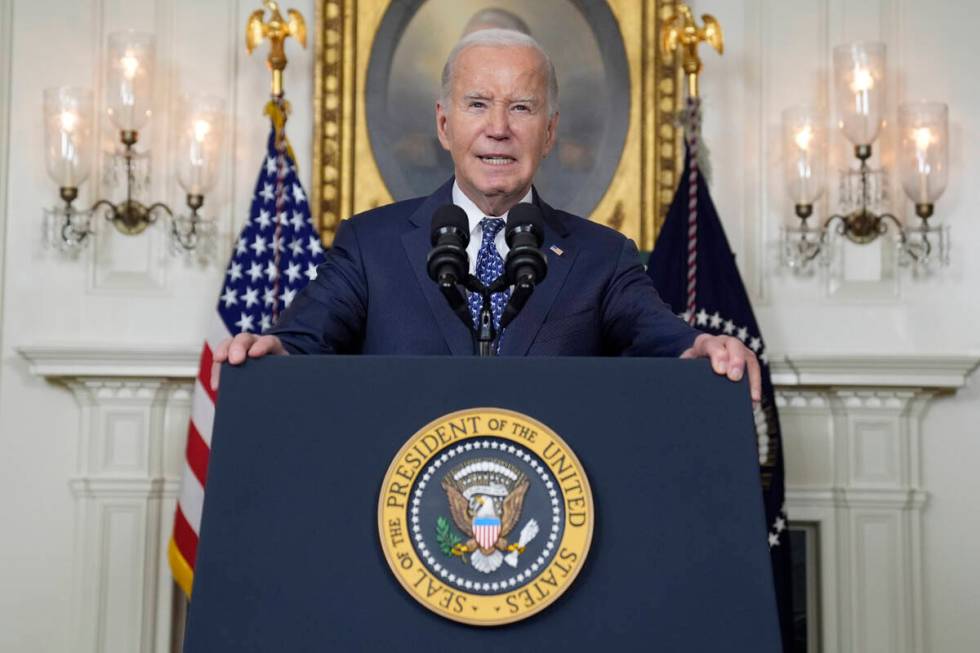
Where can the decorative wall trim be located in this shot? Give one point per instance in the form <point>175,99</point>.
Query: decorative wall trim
<point>940,371</point>
<point>156,488</point>
<point>104,361</point>
<point>844,498</point>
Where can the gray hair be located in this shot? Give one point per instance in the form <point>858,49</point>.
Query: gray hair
<point>500,38</point>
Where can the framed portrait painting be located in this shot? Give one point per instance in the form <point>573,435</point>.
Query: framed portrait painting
<point>378,69</point>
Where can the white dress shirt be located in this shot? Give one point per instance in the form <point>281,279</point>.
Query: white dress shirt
<point>475,215</point>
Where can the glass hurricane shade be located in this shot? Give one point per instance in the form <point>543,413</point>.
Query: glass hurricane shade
<point>859,80</point>
<point>924,150</point>
<point>804,154</point>
<point>68,113</point>
<point>129,79</point>
<point>198,143</point>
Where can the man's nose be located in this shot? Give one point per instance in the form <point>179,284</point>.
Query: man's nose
<point>498,122</point>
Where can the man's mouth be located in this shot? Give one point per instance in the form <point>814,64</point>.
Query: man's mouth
<point>497,159</point>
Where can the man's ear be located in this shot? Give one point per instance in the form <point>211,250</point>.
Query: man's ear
<point>442,119</point>
<point>552,133</point>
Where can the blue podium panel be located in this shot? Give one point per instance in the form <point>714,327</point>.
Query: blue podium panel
<point>290,559</point>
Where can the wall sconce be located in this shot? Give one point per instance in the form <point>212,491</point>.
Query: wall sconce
<point>859,72</point>
<point>69,128</point>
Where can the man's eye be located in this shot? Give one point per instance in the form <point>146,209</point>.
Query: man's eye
<point>477,104</point>
<point>522,107</point>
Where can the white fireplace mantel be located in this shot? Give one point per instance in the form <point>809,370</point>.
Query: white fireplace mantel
<point>934,372</point>
<point>851,433</point>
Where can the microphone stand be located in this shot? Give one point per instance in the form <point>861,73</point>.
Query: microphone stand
<point>486,334</point>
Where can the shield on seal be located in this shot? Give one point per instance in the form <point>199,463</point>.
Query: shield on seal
<point>486,530</point>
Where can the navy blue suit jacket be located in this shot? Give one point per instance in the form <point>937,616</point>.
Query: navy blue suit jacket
<point>373,295</point>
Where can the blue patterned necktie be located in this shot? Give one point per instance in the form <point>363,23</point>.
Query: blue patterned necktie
<point>489,266</point>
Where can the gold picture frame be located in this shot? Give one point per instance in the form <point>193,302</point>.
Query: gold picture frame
<point>642,186</point>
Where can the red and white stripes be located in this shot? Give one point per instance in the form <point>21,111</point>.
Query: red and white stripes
<point>187,520</point>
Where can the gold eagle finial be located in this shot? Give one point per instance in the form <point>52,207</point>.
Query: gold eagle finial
<point>681,32</point>
<point>276,30</point>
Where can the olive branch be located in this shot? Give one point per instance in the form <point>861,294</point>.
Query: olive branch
<point>446,536</point>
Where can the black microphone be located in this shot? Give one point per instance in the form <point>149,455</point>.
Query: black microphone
<point>526,265</point>
<point>447,263</point>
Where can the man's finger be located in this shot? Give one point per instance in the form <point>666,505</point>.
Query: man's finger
<point>736,360</point>
<point>220,353</point>
<point>266,345</point>
<point>240,345</point>
<point>215,373</point>
<point>719,355</point>
<point>219,356</point>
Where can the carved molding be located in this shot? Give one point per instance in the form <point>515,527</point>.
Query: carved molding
<point>124,488</point>
<point>60,361</point>
<point>940,371</point>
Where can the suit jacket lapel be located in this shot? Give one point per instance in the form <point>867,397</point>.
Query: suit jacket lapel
<point>417,245</point>
<point>517,338</point>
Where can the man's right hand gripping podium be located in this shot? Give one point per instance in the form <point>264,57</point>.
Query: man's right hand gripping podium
<point>484,267</point>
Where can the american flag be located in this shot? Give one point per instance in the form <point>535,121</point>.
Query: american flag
<point>275,256</point>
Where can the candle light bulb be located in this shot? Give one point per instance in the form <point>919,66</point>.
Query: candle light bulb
<point>69,120</point>
<point>198,142</point>
<point>859,76</point>
<point>923,138</point>
<point>201,130</point>
<point>804,152</point>
<point>67,134</point>
<point>130,64</point>
<point>923,151</point>
<point>863,80</point>
<point>803,137</point>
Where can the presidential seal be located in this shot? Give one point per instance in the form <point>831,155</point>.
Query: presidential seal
<point>485,516</point>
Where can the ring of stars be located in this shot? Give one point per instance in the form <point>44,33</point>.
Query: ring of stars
<point>546,479</point>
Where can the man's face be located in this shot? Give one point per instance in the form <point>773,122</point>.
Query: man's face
<point>497,124</point>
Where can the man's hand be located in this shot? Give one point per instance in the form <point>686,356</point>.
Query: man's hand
<point>244,345</point>
<point>729,357</point>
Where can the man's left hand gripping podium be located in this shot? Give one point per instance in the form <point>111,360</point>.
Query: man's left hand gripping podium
<point>375,503</point>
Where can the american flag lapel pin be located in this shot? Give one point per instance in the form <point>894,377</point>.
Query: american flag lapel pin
<point>557,250</point>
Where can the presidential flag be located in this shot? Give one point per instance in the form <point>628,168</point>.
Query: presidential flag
<point>695,272</point>
<point>276,254</point>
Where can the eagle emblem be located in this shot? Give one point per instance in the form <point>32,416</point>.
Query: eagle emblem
<point>485,499</point>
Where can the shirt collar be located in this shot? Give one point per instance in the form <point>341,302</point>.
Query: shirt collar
<point>473,212</point>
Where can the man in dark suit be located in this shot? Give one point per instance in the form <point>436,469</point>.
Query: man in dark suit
<point>497,117</point>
